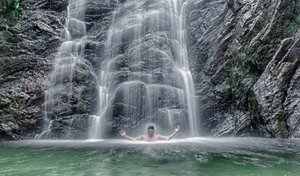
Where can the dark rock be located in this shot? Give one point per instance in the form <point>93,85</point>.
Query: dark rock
<point>57,5</point>
<point>240,38</point>
<point>271,88</point>
<point>233,124</point>
<point>244,58</point>
<point>24,63</point>
<point>69,127</point>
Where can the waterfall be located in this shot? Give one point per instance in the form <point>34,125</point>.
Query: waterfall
<point>59,85</point>
<point>145,76</point>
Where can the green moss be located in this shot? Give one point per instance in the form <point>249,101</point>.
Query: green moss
<point>10,10</point>
<point>9,126</point>
<point>11,104</point>
<point>238,69</point>
<point>280,116</point>
<point>4,35</point>
<point>88,93</point>
<point>249,61</point>
<point>295,26</point>
<point>236,76</point>
<point>14,7</point>
<point>258,26</point>
<point>283,131</point>
<point>4,102</point>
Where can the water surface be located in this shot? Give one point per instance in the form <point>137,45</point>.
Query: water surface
<point>193,156</point>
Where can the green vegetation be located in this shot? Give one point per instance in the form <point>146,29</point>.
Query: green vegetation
<point>282,127</point>
<point>258,26</point>
<point>11,104</point>
<point>239,68</point>
<point>295,26</point>
<point>236,76</point>
<point>257,51</point>
<point>15,7</point>
<point>10,11</point>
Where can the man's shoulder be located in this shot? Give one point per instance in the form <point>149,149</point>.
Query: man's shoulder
<point>142,137</point>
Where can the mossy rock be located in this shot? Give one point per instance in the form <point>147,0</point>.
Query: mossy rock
<point>9,126</point>
<point>282,127</point>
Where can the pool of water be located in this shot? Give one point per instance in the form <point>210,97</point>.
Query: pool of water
<point>192,157</point>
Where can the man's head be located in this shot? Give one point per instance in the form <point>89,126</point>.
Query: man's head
<point>150,130</point>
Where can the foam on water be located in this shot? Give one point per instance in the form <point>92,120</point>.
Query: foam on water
<point>190,156</point>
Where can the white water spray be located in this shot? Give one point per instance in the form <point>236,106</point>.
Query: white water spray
<point>146,75</point>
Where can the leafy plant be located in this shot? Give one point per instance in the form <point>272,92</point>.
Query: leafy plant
<point>11,6</point>
<point>10,10</point>
<point>17,26</point>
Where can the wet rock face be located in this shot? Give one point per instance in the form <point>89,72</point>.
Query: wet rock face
<point>71,94</point>
<point>27,59</point>
<point>25,62</point>
<point>245,62</point>
<point>207,21</point>
<point>272,87</point>
<point>142,68</point>
<point>291,105</point>
<point>98,18</point>
<point>243,54</point>
<point>69,127</point>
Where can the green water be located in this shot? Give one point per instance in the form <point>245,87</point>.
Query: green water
<point>205,158</point>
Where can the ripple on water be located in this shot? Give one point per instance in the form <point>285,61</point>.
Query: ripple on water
<point>196,156</point>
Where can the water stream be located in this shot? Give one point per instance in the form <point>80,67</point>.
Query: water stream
<point>69,56</point>
<point>145,76</point>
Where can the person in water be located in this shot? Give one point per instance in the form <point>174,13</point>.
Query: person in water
<point>150,136</point>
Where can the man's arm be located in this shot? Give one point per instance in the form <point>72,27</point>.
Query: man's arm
<point>124,135</point>
<point>177,129</point>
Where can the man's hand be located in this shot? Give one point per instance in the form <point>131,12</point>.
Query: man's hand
<point>177,129</point>
<point>122,133</point>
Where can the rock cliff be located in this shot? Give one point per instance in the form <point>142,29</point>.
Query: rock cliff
<point>243,54</point>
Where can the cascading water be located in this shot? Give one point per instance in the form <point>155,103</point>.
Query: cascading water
<point>145,77</point>
<point>59,86</point>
